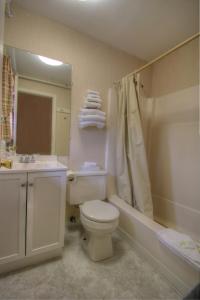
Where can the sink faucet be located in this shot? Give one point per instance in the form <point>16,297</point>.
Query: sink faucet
<point>32,159</point>
<point>27,158</point>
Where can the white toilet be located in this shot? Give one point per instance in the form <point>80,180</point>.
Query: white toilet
<point>99,219</point>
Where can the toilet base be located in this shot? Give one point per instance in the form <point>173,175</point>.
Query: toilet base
<point>98,247</point>
<point>98,243</point>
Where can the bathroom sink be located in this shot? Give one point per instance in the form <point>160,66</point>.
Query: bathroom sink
<point>37,165</point>
<point>40,164</point>
<point>34,166</point>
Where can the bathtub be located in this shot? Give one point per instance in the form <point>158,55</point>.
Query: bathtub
<point>141,231</point>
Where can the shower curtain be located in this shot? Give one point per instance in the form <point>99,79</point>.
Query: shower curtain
<point>133,183</point>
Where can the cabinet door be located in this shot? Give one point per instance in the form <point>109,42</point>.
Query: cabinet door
<point>45,211</point>
<point>12,216</point>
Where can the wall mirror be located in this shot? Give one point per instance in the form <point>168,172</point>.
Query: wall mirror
<point>36,103</point>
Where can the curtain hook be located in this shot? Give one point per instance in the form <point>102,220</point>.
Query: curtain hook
<point>134,80</point>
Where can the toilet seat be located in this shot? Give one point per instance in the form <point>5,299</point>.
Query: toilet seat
<point>99,211</point>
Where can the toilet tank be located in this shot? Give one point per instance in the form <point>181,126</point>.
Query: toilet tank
<point>86,186</point>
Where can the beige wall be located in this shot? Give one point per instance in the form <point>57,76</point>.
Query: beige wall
<point>95,66</point>
<point>175,140</point>
<point>2,7</point>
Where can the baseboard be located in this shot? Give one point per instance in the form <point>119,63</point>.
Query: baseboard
<point>176,282</point>
<point>30,261</point>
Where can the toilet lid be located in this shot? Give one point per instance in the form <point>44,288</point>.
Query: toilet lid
<point>99,211</point>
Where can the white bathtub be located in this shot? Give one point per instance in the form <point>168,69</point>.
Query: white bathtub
<point>141,232</point>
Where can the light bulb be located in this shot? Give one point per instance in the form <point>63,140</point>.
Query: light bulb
<point>50,61</point>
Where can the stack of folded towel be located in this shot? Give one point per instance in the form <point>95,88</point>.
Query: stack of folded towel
<point>90,166</point>
<point>91,114</point>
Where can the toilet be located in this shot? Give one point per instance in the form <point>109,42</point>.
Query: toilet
<point>99,218</point>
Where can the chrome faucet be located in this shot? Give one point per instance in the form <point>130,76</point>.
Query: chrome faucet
<point>27,158</point>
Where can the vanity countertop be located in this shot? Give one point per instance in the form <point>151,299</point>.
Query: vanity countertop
<point>38,166</point>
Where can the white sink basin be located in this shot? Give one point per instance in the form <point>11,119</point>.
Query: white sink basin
<point>35,166</point>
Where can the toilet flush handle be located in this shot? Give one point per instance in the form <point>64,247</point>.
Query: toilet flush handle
<point>71,177</point>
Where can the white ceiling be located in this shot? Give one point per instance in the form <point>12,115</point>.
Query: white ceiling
<point>28,64</point>
<point>145,28</point>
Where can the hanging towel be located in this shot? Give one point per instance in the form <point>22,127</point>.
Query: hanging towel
<point>95,118</point>
<point>84,124</point>
<point>92,105</point>
<point>90,111</point>
<point>181,244</point>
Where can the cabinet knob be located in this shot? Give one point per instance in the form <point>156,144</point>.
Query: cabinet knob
<point>23,185</point>
<point>30,184</point>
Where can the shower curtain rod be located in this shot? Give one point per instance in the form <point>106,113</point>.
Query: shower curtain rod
<point>195,36</point>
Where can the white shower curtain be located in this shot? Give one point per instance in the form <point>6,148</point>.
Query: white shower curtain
<point>133,184</point>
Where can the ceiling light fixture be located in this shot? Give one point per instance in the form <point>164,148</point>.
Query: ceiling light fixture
<point>50,61</point>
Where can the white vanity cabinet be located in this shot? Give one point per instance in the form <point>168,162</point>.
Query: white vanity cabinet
<point>45,212</point>
<point>32,216</point>
<point>12,216</point>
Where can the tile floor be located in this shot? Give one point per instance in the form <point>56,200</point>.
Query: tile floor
<point>125,276</point>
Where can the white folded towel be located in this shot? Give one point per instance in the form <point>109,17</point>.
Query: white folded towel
<point>90,166</point>
<point>96,100</point>
<point>181,244</point>
<point>93,96</point>
<point>92,104</point>
<point>95,118</point>
<point>93,92</point>
<point>90,111</point>
<point>91,123</point>
<point>93,168</point>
